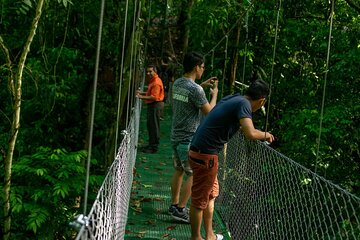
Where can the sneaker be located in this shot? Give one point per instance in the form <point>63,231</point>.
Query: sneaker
<point>219,237</point>
<point>181,216</point>
<point>172,209</point>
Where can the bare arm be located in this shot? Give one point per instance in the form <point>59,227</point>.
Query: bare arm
<point>251,133</point>
<point>144,97</point>
<point>206,108</point>
<point>154,91</point>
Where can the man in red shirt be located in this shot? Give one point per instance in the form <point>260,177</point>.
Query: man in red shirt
<point>153,97</point>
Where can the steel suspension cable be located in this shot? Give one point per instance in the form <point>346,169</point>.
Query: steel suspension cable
<point>147,30</point>
<point>137,54</point>
<point>228,32</point>
<point>131,63</point>
<point>272,67</point>
<point>224,37</point>
<point>121,78</point>
<point>93,104</point>
<point>246,45</point>
<point>225,65</point>
<point>325,82</point>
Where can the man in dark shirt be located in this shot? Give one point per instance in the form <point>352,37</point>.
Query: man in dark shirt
<point>231,114</point>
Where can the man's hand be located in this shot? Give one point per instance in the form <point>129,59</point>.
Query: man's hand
<point>214,91</point>
<point>139,94</point>
<point>269,137</point>
<point>210,82</point>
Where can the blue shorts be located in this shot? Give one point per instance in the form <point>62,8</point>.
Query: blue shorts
<point>180,158</point>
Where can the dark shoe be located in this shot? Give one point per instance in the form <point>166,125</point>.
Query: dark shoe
<point>182,216</point>
<point>172,209</point>
<point>149,150</point>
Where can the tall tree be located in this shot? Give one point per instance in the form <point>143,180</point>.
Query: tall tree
<point>183,23</point>
<point>15,78</point>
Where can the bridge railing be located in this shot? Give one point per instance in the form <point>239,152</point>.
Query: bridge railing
<point>108,215</point>
<point>265,195</point>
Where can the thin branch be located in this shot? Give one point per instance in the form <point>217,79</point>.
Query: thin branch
<point>8,63</point>
<point>353,5</point>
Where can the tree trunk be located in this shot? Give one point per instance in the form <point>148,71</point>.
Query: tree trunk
<point>15,85</point>
<point>164,28</point>
<point>183,23</point>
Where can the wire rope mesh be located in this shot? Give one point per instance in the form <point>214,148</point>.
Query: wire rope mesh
<point>265,195</point>
<point>108,215</point>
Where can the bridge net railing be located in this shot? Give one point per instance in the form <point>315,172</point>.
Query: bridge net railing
<point>265,195</point>
<point>108,215</point>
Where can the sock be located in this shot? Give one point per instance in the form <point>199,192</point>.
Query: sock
<point>180,209</point>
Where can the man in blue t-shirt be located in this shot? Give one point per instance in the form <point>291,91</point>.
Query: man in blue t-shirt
<point>231,114</point>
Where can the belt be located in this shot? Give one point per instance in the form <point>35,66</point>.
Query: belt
<point>153,103</point>
<point>202,162</point>
<point>195,149</point>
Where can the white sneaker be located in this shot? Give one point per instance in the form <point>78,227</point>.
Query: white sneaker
<point>219,237</point>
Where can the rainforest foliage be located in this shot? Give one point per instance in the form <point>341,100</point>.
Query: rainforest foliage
<point>315,87</point>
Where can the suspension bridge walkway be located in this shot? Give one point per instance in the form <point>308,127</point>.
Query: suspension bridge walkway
<point>263,195</point>
<point>148,216</point>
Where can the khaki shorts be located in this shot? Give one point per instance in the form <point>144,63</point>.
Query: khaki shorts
<point>180,158</point>
<point>205,183</point>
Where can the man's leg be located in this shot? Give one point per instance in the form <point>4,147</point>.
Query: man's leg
<point>204,167</point>
<point>162,105</point>
<point>149,122</point>
<point>208,218</point>
<point>185,192</point>
<point>153,126</point>
<point>176,185</point>
<point>182,152</point>
<point>157,116</point>
<point>196,215</point>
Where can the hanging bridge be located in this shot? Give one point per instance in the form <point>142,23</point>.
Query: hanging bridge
<point>263,195</point>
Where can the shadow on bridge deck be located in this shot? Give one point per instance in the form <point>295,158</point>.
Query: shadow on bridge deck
<point>150,195</point>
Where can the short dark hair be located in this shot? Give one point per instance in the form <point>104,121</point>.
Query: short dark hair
<point>153,67</point>
<point>191,60</point>
<point>258,89</point>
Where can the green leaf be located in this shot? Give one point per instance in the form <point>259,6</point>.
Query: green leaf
<point>28,2</point>
<point>40,172</point>
<point>37,217</point>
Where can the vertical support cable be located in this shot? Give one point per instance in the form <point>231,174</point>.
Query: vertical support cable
<point>93,104</point>
<point>147,30</point>
<point>121,78</point>
<point>131,64</point>
<point>246,45</point>
<point>325,81</point>
<point>137,54</point>
<point>225,65</point>
<point>272,67</point>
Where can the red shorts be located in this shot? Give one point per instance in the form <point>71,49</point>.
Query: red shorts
<point>205,183</point>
